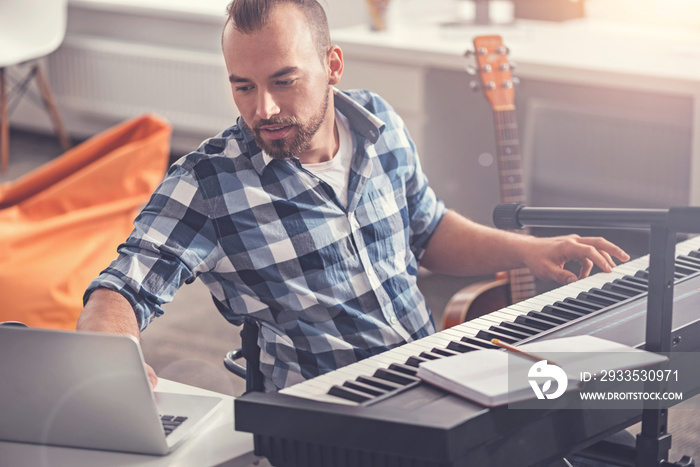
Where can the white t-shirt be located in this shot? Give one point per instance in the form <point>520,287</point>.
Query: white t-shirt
<point>336,172</point>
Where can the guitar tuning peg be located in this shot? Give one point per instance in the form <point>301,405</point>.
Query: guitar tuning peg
<point>516,80</point>
<point>512,65</point>
<point>469,53</point>
<point>470,70</point>
<point>475,86</point>
<point>503,50</point>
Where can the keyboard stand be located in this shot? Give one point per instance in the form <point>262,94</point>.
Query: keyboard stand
<point>654,442</point>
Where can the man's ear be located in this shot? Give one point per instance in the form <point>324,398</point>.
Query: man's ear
<point>335,65</point>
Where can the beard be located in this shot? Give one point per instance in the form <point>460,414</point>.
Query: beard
<point>287,148</point>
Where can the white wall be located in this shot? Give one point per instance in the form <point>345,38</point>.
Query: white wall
<point>123,58</point>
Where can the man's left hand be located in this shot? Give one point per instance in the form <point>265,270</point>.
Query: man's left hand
<point>546,257</point>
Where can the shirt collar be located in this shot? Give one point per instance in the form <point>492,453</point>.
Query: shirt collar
<point>360,119</point>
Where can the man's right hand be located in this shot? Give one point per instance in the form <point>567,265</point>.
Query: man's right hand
<point>152,377</point>
<point>108,311</point>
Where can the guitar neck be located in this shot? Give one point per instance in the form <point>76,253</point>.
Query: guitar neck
<point>512,187</point>
<point>497,83</point>
<point>510,171</point>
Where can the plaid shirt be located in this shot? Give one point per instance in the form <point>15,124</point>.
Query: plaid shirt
<point>327,285</point>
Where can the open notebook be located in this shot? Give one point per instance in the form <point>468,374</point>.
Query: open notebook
<point>496,377</point>
<point>89,390</point>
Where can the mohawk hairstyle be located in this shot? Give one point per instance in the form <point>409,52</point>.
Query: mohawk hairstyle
<point>249,16</point>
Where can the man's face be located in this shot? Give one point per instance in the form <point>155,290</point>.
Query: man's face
<point>279,84</point>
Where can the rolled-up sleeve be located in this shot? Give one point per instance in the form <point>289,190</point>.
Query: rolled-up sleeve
<point>172,242</point>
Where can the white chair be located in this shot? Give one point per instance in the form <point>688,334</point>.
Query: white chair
<point>29,30</point>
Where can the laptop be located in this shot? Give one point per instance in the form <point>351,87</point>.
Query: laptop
<point>89,390</point>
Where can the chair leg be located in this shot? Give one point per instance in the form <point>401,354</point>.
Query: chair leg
<point>52,108</point>
<point>4,124</point>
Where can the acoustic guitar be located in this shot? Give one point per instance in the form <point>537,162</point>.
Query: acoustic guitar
<point>508,287</point>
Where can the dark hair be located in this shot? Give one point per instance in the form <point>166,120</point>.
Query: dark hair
<point>249,16</point>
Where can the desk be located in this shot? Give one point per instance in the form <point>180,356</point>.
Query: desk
<point>216,444</point>
<point>616,105</point>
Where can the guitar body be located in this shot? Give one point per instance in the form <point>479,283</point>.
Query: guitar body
<point>511,286</point>
<point>477,300</point>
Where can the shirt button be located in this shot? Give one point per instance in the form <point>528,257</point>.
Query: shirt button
<point>394,320</point>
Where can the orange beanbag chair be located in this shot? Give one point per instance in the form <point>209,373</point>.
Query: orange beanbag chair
<point>60,224</point>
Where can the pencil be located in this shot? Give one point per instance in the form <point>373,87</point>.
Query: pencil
<point>513,348</point>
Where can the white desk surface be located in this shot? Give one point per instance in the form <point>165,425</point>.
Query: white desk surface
<point>216,444</point>
<point>590,52</point>
<point>584,50</point>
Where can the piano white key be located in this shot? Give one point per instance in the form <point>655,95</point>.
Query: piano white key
<point>490,318</point>
<point>631,270</point>
<point>485,323</point>
<point>469,328</point>
<point>506,314</point>
<point>427,343</point>
<point>457,334</point>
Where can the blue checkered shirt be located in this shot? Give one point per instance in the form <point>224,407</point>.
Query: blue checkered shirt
<point>327,285</point>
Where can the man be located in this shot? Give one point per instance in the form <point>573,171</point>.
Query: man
<point>310,216</point>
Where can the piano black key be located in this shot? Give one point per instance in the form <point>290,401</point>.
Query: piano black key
<point>689,262</point>
<point>430,355</point>
<point>519,335</point>
<point>595,298</point>
<point>379,383</point>
<point>572,307</point>
<point>556,320</point>
<point>520,327</point>
<point>641,289</point>
<point>349,394</point>
<point>562,312</point>
<point>479,343</point>
<point>681,268</point>
<point>534,322</point>
<point>694,254</point>
<point>490,335</point>
<point>415,360</point>
<point>587,304</point>
<point>462,347</point>
<point>445,352</point>
<point>405,369</point>
<point>622,289</point>
<point>617,297</point>
<point>366,388</point>
<point>395,376</point>
<point>636,280</point>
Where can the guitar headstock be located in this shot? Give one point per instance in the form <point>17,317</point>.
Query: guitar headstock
<point>494,71</point>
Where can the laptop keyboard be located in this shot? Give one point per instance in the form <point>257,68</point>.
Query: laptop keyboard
<point>170,422</point>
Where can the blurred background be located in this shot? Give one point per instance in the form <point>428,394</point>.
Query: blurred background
<point>607,108</point>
